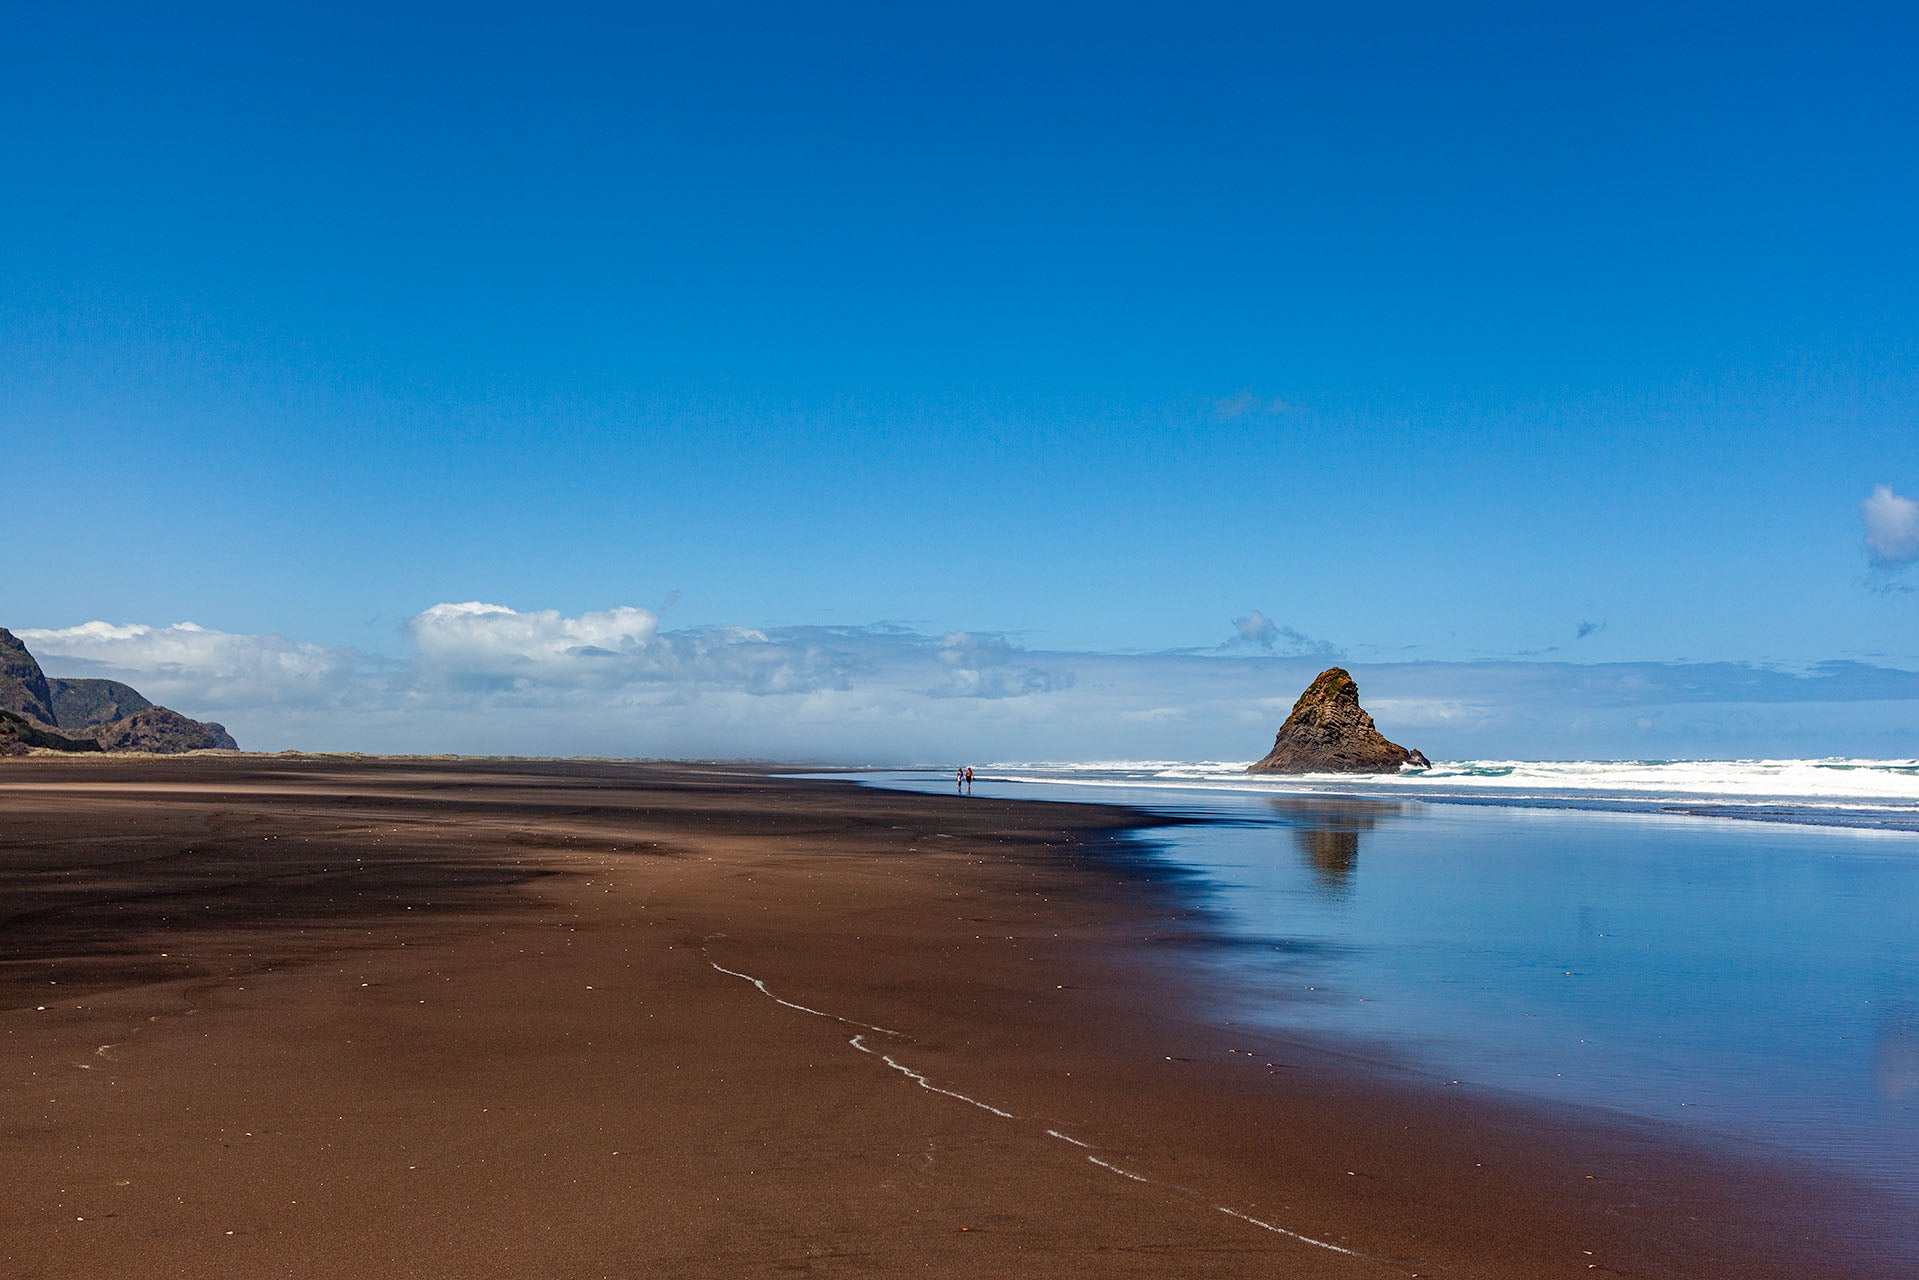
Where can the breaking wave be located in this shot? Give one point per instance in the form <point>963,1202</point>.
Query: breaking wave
<point>1835,791</point>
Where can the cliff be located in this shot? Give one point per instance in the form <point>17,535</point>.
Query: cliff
<point>88,715</point>
<point>23,686</point>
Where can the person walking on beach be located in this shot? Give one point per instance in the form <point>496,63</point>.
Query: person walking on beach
<point>969,779</point>
<point>959,781</point>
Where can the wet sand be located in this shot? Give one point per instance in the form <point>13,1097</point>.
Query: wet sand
<point>343,1017</point>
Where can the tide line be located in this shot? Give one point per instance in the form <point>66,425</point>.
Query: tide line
<point>1291,1235</point>
<point>817,1013</point>
<point>926,1084</point>
<point>1124,1173</point>
<point>859,1042</point>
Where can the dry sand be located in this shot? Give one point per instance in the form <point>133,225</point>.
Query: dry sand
<point>369,1018</point>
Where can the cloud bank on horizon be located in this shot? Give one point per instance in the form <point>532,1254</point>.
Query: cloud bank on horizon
<point>489,679</point>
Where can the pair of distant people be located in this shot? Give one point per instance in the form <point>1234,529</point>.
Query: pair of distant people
<point>963,781</point>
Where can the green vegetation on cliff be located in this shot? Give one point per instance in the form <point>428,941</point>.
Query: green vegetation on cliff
<point>18,735</point>
<point>89,715</point>
<point>80,703</point>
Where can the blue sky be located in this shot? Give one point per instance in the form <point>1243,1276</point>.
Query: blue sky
<point>1435,335</point>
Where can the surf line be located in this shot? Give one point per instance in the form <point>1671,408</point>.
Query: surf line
<point>926,1084</point>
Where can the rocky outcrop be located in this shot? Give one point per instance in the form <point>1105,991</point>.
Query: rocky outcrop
<point>159,732</point>
<point>19,735</point>
<point>88,715</point>
<point>80,703</point>
<point>1329,732</point>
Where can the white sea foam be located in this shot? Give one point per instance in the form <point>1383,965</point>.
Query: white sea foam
<point>1124,1173</point>
<point>1889,788</point>
<point>817,1013</point>
<point>1276,1230</point>
<point>859,1042</point>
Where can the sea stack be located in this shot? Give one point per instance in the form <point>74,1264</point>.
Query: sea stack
<point>1329,732</point>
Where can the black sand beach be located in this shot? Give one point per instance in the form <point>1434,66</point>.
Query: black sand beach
<point>363,1017</point>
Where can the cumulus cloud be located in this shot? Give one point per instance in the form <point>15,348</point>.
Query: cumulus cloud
<point>754,662</point>
<point>1892,527</point>
<point>212,669</point>
<point>489,646</point>
<point>990,667</point>
<point>1257,631</point>
<point>491,679</point>
<point>492,640</point>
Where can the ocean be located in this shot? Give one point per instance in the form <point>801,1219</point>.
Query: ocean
<point>1729,947</point>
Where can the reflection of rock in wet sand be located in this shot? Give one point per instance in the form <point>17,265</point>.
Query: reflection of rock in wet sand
<point>1327,832</point>
<point>1332,855</point>
<point>1898,1056</point>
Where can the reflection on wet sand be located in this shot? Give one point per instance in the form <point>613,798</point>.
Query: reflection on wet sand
<point>1327,832</point>
<point>1897,1058</point>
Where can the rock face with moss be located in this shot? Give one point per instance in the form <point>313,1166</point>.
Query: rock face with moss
<point>19,735</point>
<point>160,732</point>
<point>1329,732</point>
<point>80,703</point>
<point>88,715</point>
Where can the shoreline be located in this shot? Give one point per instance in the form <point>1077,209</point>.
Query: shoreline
<point>1850,813</point>
<point>518,936</point>
<point>1856,813</point>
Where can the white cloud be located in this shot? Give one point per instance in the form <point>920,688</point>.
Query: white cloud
<point>493,640</point>
<point>491,679</point>
<point>990,667</point>
<point>212,669</point>
<point>1428,713</point>
<point>490,646</point>
<point>1892,526</point>
<point>1257,631</point>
